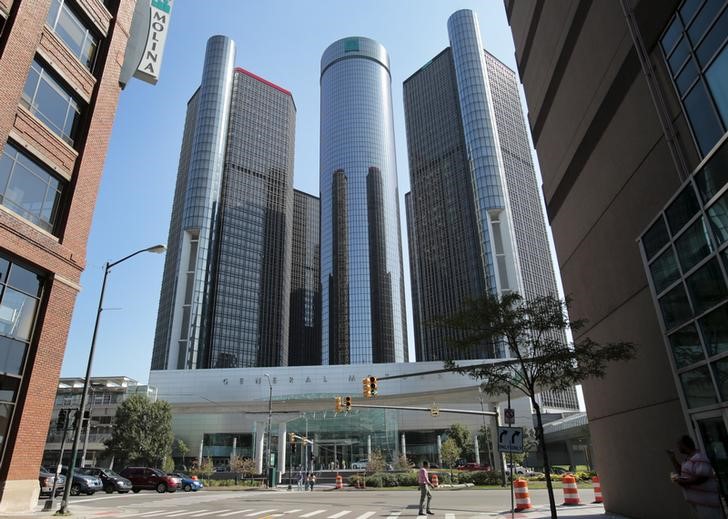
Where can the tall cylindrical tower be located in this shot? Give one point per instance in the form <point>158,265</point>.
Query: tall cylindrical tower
<point>362,287</point>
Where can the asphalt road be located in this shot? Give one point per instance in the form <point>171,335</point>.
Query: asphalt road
<point>320,504</point>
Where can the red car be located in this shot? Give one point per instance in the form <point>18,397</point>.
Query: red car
<point>145,478</point>
<point>474,467</point>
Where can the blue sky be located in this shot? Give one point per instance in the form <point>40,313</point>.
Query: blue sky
<point>281,41</point>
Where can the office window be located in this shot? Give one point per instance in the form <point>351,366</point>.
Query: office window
<point>707,286</point>
<point>714,175</point>
<point>675,307</point>
<point>664,270</point>
<point>718,215</point>
<point>51,102</point>
<point>73,32</point>
<point>694,46</point>
<point>698,387</point>
<point>686,348</point>
<point>693,245</point>
<point>28,189</point>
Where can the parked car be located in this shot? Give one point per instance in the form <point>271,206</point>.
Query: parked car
<point>46,478</point>
<point>145,478</point>
<point>473,466</point>
<point>360,465</point>
<point>83,483</point>
<point>189,484</point>
<point>520,471</point>
<point>559,471</point>
<point>109,479</point>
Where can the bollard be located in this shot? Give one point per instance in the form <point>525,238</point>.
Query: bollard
<point>434,480</point>
<point>339,481</point>
<point>523,500</point>
<point>571,492</point>
<point>597,490</point>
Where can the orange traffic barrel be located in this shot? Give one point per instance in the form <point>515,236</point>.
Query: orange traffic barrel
<point>597,490</point>
<point>571,492</point>
<point>435,480</point>
<point>523,500</point>
<point>339,481</point>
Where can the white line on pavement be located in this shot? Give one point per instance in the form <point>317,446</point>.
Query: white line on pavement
<point>449,516</point>
<point>186,512</point>
<point>150,513</point>
<point>340,514</point>
<point>292,511</point>
<point>261,512</point>
<point>236,512</point>
<point>315,512</point>
<point>394,515</point>
<point>365,515</point>
<point>210,513</point>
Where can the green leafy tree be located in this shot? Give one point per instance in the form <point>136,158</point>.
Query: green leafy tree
<point>376,462</point>
<point>450,453</point>
<point>142,432</point>
<point>203,469</point>
<point>402,463</point>
<point>242,466</point>
<point>168,464</point>
<point>181,449</point>
<point>532,330</point>
<point>485,442</point>
<point>463,439</point>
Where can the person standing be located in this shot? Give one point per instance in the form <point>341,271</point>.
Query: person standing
<point>696,477</point>
<point>423,479</point>
<point>300,481</point>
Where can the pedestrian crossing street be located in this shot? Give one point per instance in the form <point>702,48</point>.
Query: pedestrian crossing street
<point>295,513</point>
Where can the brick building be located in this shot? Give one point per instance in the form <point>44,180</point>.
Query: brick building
<point>60,62</point>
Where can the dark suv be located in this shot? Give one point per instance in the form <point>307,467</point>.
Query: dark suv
<point>145,478</point>
<point>110,479</point>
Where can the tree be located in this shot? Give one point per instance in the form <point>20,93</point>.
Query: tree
<point>532,330</point>
<point>242,466</point>
<point>181,448</point>
<point>402,463</point>
<point>168,465</point>
<point>203,469</point>
<point>376,462</point>
<point>485,441</point>
<point>142,432</point>
<point>463,439</point>
<point>450,453</point>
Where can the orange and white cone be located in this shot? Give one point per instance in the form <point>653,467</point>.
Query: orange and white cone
<point>339,481</point>
<point>597,490</point>
<point>523,500</point>
<point>571,492</point>
<point>435,480</point>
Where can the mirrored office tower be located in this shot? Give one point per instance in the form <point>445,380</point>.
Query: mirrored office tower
<point>363,311</point>
<point>225,291</point>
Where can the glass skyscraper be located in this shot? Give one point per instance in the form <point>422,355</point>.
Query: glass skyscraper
<point>226,286</point>
<point>363,310</point>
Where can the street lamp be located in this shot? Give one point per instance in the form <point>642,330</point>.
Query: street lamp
<point>270,412</point>
<point>157,249</point>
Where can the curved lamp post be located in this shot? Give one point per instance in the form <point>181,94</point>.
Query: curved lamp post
<point>157,249</point>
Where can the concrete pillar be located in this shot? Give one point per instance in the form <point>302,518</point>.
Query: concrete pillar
<point>404,446</point>
<point>281,450</point>
<point>477,448</point>
<point>439,450</point>
<point>499,462</point>
<point>259,446</point>
<point>570,454</point>
<point>369,446</point>
<point>202,444</point>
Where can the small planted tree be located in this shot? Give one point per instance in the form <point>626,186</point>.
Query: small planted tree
<point>462,437</point>
<point>203,469</point>
<point>403,463</point>
<point>181,449</point>
<point>533,333</point>
<point>376,462</point>
<point>242,466</point>
<point>450,452</point>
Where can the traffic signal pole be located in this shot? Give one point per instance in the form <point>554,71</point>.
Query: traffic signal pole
<point>49,502</point>
<point>433,410</point>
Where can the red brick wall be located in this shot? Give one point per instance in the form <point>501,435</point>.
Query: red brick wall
<point>62,256</point>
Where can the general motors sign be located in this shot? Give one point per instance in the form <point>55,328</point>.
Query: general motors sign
<point>149,29</point>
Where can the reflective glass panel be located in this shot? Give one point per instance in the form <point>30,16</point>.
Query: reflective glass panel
<point>675,307</point>
<point>720,371</point>
<point>715,330</point>
<point>73,32</point>
<point>24,280</point>
<point>8,388</point>
<point>693,245</point>
<point>17,313</point>
<point>12,355</point>
<point>713,40</point>
<point>6,412</point>
<point>671,35</point>
<point>705,16</point>
<point>655,238</point>
<point>707,286</point>
<point>682,209</point>
<point>718,215</point>
<point>703,118</point>
<point>686,348</point>
<point>688,9</point>
<point>717,78</point>
<point>679,55</point>
<point>4,265</point>
<point>698,387</point>
<point>714,174</point>
<point>664,270</point>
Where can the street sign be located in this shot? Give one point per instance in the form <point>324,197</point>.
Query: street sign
<point>510,439</point>
<point>434,410</point>
<point>510,416</point>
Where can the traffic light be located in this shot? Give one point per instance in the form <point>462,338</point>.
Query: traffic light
<point>62,419</point>
<point>338,407</point>
<point>365,387</point>
<point>373,386</point>
<point>347,403</point>
<point>77,416</point>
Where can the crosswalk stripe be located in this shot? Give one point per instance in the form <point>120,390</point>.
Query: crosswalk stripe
<point>315,512</point>
<point>148,514</point>
<point>340,514</point>
<point>449,516</point>
<point>365,515</point>
<point>261,512</point>
<point>292,511</point>
<point>210,513</point>
<point>236,512</point>
<point>186,512</point>
<point>394,515</point>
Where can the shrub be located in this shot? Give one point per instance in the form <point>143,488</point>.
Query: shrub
<point>375,481</point>
<point>355,480</point>
<point>486,478</point>
<point>407,479</point>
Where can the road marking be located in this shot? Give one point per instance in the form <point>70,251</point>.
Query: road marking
<point>148,514</point>
<point>365,515</point>
<point>203,513</point>
<point>292,511</point>
<point>315,512</point>
<point>236,512</point>
<point>186,512</point>
<point>261,512</point>
<point>340,514</point>
<point>395,515</point>
<point>449,516</point>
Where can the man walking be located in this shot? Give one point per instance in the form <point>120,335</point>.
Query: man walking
<point>696,477</point>
<point>423,479</point>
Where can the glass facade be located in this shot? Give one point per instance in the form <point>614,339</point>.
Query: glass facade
<point>304,344</point>
<point>685,253</point>
<point>28,189</point>
<point>694,47</point>
<point>20,294</point>
<point>362,286</point>
<point>225,293</point>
